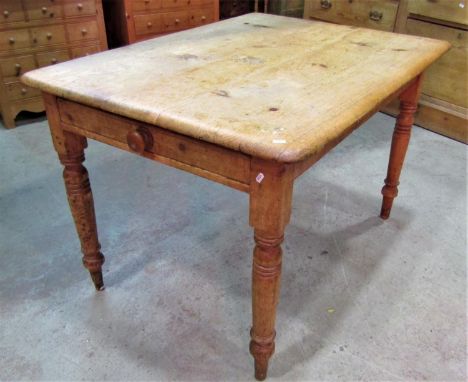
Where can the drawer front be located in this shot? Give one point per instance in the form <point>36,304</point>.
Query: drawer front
<point>375,14</point>
<point>148,24</point>
<point>145,5</point>
<point>87,30</point>
<point>174,21</point>
<point>79,8</point>
<point>49,35</point>
<point>52,58</point>
<point>175,3</point>
<point>204,2</point>
<point>10,11</point>
<point>201,16</point>
<point>446,79</point>
<point>42,9</point>
<point>165,143</point>
<point>16,66</point>
<point>16,90</point>
<point>449,10</point>
<point>14,39</point>
<point>82,51</point>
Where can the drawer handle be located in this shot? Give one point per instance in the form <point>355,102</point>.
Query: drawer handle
<point>53,61</point>
<point>79,6</point>
<point>203,18</point>
<point>177,21</point>
<point>375,15</point>
<point>84,31</point>
<point>18,69</point>
<point>44,10</point>
<point>149,24</point>
<point>140,140</point>
<point>325,4</point>
<point>147,1</point>
<point>24,91</point>
<point>6,13</point>
<point>11,40</point>
<point>49,35</point>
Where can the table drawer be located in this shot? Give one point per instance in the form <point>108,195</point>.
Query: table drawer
<point>52,58</point>
<point>174,21</point>
<point>108,127</point>
<point>201,16</point>
<point>10,11</point>
<point>16,90</point>
<point>16,66</point>
<point>79,8</point>
<point>449,10</point>
<point>49,35</point>
<point>42,9</point>
<point>174,3</point>
<point>87,30</point>
<point>446,79</point>
<point>197,3</point>
<point>14,39</point>
<point>148,24</point>
<point>375,14</point>
<point>145,5</point>
<point>82,51</point>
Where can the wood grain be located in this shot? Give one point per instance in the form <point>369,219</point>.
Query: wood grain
<point>269,86</point>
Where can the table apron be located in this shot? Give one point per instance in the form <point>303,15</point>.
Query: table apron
<point>201,158</point>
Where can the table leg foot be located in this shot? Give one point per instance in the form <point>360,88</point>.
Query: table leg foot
<point>400,140</point>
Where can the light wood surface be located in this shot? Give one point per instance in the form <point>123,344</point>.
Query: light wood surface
<point>269,86</point>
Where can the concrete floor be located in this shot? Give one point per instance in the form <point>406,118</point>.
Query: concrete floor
<point>361,299</point>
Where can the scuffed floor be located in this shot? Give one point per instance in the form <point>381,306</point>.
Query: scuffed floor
<point>361,299</point>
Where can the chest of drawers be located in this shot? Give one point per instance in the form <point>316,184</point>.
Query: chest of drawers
<point>129,21</point>
<point>443,106</point>
<point>37,33</point>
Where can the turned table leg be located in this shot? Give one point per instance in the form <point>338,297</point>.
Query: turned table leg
<point>400,140</point>
<point>270,208</point>
<point>70,148</point>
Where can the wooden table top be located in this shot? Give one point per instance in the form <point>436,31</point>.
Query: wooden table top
<point>269,86</point>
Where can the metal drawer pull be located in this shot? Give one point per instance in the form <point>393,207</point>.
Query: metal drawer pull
<point>325,4</point>
<point>11,40</point>
<point>6,13</point>
<point>375,15</point>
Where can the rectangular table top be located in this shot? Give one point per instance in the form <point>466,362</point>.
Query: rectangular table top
<point>269,86</point>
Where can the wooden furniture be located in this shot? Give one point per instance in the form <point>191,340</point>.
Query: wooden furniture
<point>443,106</point>
<point>129,21</point>
<point>250,102</point>
<point>234,8</point>
<point>37,33</point>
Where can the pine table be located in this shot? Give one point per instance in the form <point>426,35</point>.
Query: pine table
<point>251,103</point>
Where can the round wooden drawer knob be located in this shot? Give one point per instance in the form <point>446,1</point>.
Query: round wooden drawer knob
<point>79,6</point>
<point>49,35</point>
<point>6,13</point>
<point>24,91</point>
<point>11,40</point>
<point>150,24</point>
<point>139,140</point>
<point>44,9</point>
<point>177,21</point>
<point>203,18</point>
<point>53,61</point>
<point>84,31</point>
